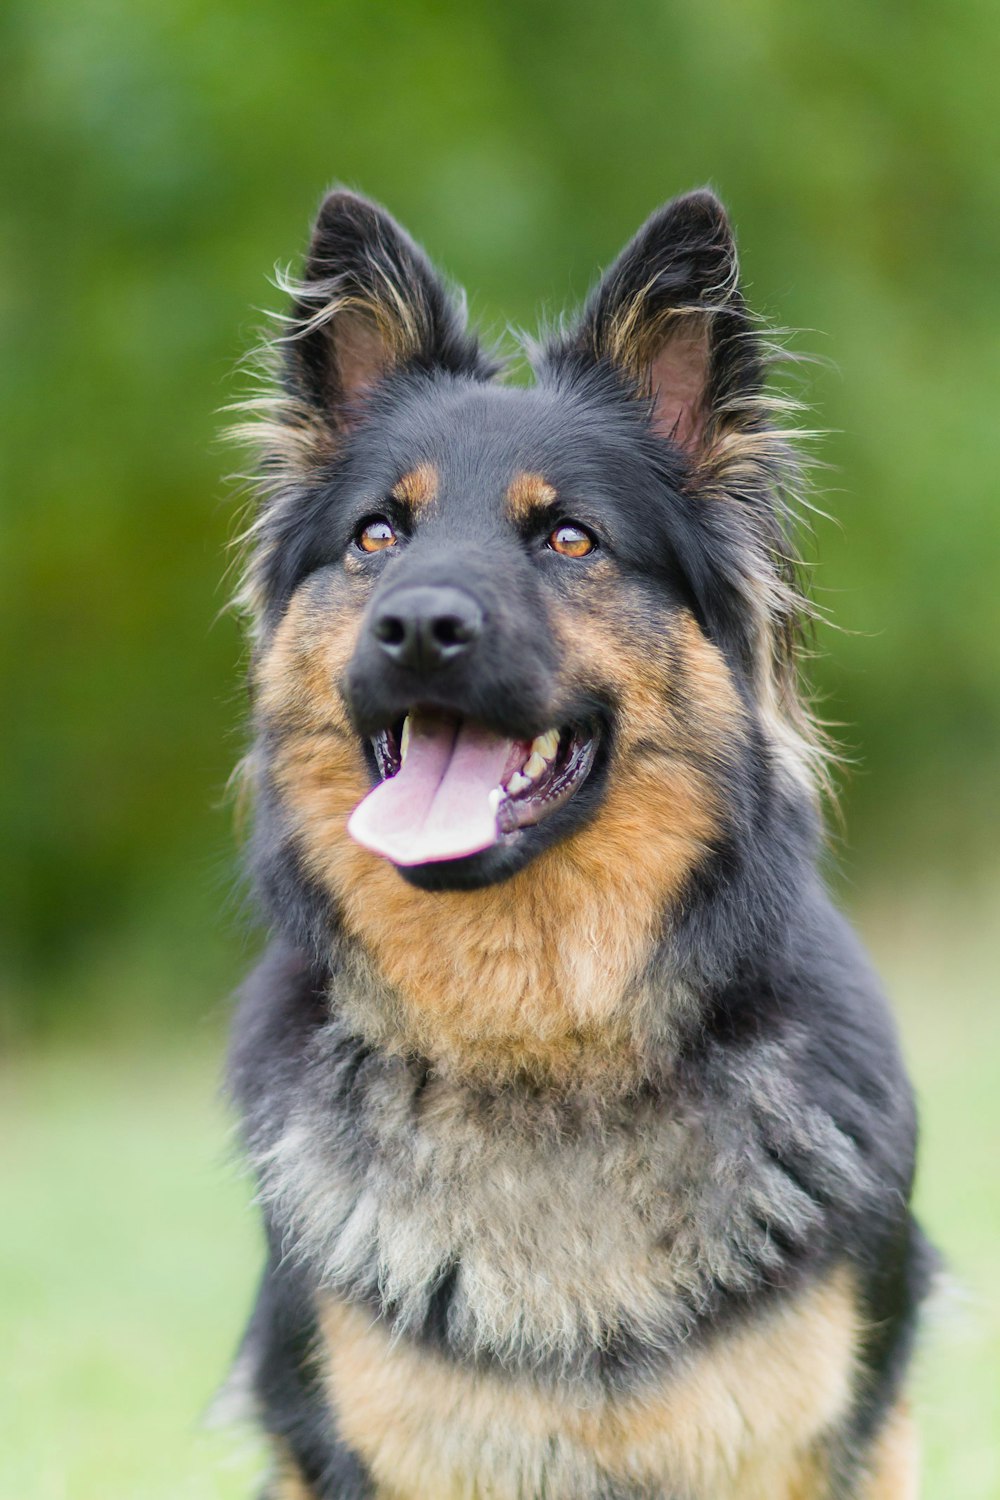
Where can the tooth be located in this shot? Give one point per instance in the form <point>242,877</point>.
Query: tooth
<point>404,739</point>
<point>546,744</point>
<point>494,799</point>
<point>534,765</point>
<point>517,783</point>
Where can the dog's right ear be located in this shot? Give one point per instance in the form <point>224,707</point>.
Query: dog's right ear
<point>369,303</point>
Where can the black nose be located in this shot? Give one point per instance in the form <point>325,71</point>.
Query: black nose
<point>424,628</point>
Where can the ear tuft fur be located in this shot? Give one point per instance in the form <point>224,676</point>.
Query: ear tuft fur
<point>368,304</point>
<point>669,318</point>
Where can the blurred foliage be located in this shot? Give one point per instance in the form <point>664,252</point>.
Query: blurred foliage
<point>161,158</point>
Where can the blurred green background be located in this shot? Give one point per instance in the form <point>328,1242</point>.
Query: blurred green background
<point>159,160</point>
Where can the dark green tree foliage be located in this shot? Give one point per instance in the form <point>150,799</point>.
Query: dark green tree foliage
<point>160,158</point>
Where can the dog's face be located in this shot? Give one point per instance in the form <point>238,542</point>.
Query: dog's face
<point>515,592</point>
<point>500,620</point>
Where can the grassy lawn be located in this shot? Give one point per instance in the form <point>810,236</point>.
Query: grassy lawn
<point>129,1251</point>
<point>127,1261</point>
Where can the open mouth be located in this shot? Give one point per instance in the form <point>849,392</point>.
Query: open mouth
<point>450,788</point>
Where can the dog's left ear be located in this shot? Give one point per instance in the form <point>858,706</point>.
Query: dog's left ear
<point>670,317</point>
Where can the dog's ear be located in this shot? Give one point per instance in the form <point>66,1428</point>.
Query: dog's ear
<point>670,317</point>
<point>369,303</point>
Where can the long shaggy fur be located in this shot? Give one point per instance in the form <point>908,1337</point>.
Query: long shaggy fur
<point>585,1159</point>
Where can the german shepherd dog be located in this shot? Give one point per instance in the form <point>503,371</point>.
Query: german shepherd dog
<point>582,1137</point>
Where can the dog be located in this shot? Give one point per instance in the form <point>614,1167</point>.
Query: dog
<point>583,1142</point>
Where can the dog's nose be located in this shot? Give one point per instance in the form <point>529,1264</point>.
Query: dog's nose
<point>425,628</point>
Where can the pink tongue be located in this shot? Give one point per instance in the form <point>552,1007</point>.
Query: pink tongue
<point>437,806</point>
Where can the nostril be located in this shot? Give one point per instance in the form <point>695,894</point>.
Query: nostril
<point>452,630</point>
<point>390,630</point>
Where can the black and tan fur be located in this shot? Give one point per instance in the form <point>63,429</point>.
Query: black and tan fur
<point>584,1164</point>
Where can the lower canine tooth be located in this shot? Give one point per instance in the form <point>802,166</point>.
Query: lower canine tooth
<point>404,739</point>
<point>534,765</point>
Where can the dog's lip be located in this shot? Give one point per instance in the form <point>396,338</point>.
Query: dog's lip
<point>523,797</point>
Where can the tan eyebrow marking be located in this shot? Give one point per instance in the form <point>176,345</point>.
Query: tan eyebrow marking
<point>418,488</point>
<point>527,493</point>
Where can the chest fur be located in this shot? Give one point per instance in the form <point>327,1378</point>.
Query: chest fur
<point>575,1240</point>
<point>745,1417</point>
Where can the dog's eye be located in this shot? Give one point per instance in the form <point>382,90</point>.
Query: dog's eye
<point>375,535</point>
<point>571,541</point>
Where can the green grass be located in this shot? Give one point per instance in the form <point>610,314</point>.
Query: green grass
<point>127,1262</point>
<point>939,957</point>
<point>129,1249</point>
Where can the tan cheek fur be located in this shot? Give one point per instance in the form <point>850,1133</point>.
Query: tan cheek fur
<point>743,1420</point>
<point>538,967</point>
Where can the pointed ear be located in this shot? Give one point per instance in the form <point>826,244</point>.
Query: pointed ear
<point>369,303</point>
<point>669,315</point>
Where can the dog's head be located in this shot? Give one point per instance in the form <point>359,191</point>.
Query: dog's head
<point>497,621</point>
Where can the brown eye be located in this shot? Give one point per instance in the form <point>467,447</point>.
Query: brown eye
<point>571,541</point>
<point>375,535</point>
